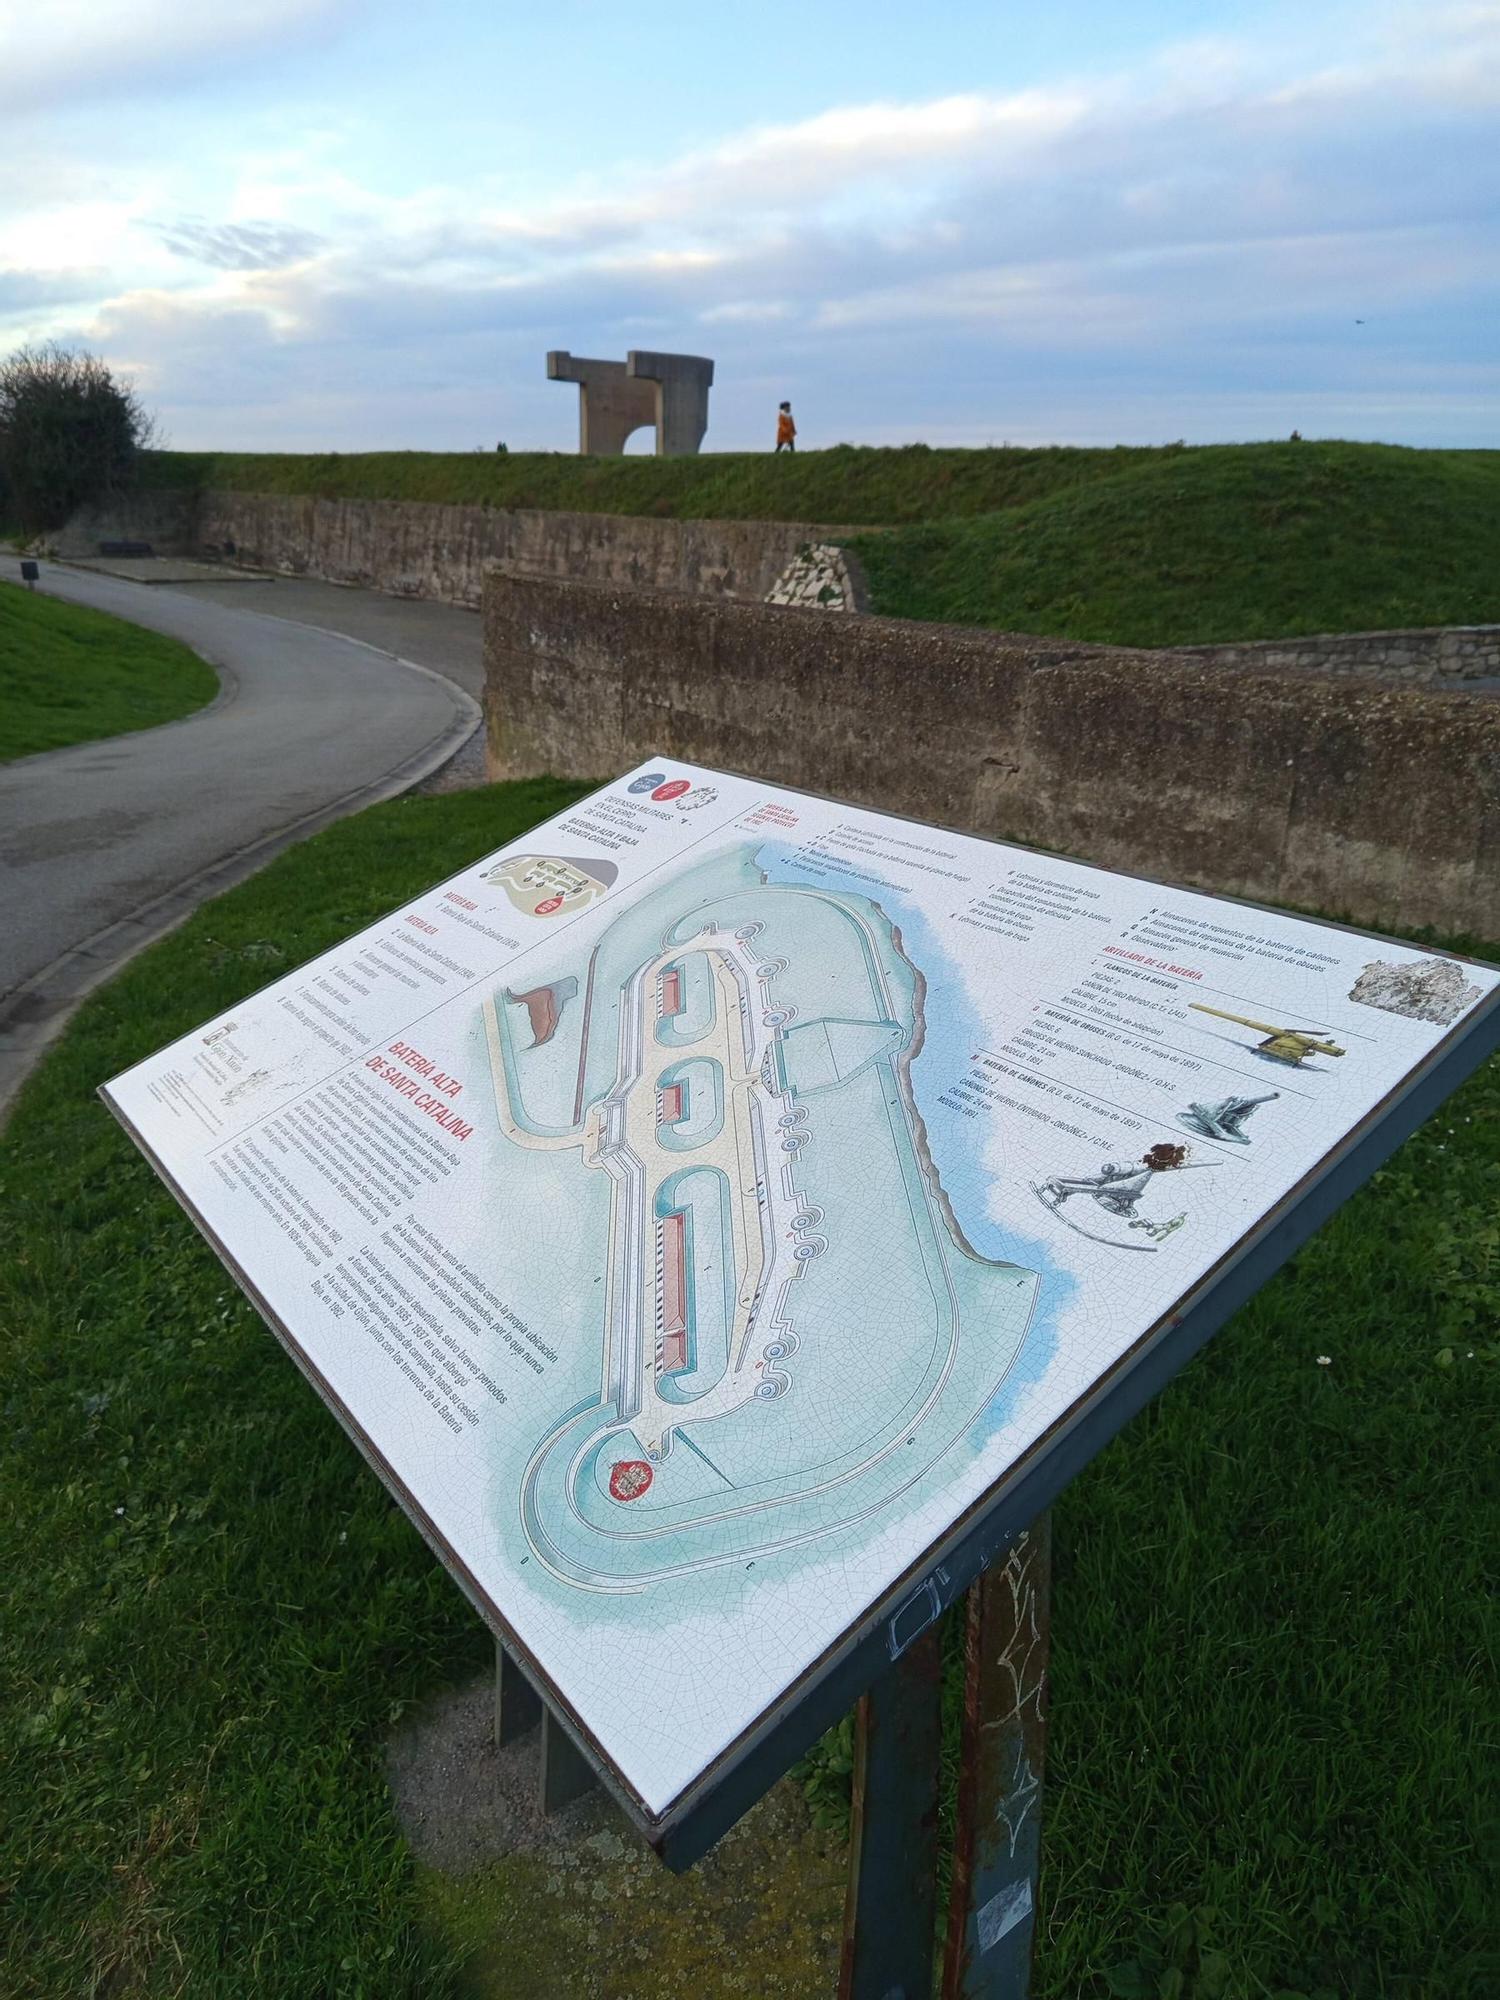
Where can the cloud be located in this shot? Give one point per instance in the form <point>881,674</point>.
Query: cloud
<point>54,54</point>
<point>23,292</point>
<point>239,246</point>
<point>1193,236</point>
<point>890,157</point>
<point>785,169</point>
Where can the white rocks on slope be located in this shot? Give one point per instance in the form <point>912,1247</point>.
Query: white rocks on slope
<point>816,577</point>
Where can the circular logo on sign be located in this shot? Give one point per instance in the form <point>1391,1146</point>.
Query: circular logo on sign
<point>630,1478</point>
<point>673,789</point>
<point>650,782</point>
<point>704,796</point>
<point>551,903</point>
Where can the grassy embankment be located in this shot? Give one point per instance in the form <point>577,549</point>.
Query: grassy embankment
<point>71,675</point>
<point>1227,542</point>
<point>1271,1631</point>
<point>1161,546</point>
<point>851,485</point>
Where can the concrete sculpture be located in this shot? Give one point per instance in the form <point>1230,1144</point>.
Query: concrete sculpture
<point>615,398</point>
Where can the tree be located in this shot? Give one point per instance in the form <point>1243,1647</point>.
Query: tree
<point>69,434</point>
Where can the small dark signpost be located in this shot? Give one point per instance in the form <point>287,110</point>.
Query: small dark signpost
<point>727,1219</point>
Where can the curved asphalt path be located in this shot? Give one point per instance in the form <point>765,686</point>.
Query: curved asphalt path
<point>105,846</point>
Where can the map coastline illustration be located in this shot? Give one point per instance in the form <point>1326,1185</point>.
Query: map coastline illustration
<point>732,1046</point>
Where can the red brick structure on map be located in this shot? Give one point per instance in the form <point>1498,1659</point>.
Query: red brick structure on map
<point>669,1104</point>
<point>671,1240</point>
<point>629,1479</point>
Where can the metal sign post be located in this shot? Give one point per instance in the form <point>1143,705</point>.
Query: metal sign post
<point>893,1830</point>
<point>997,1843</point>
<point>891,1907</point>
<point>889,1917</point>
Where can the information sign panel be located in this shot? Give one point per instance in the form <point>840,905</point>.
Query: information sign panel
<point>706,1209</point>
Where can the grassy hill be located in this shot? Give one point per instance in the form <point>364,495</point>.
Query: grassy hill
<point>69,674</point>
<point>852,485</point>
<point>1224,542</point>
<point>1147,546</point>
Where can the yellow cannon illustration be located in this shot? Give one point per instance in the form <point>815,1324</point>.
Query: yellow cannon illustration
<point>1284,1045</point>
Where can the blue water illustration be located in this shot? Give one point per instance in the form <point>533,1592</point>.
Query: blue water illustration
<point>953,1031</point>
<point>782,1284</point>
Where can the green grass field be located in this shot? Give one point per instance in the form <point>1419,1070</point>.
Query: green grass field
<point>849,486</point>
<point>1227,542</point>
<point>71,675</point>
<point>1274,1649</point>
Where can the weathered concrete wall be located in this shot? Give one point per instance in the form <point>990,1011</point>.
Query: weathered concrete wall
<point>1415,657</point>
<point>415,548</point>
<point>1380,804</point>
<point>420,549</point>
<point>168,520</point>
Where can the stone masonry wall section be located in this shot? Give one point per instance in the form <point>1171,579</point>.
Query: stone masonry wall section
<point>168,520</point>
<point>1378,804</point>
<point>1414,657</point>
<point>420,549</point>
<point>417,549</point>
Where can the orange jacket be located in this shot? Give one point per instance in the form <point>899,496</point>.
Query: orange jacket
<point>786,430</point>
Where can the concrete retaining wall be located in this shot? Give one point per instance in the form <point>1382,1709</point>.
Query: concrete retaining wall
<point>419,549</point>
<point>1415,657</point>
<point>1376,803</point>
<point>416,549</point>
<point>167,520</point>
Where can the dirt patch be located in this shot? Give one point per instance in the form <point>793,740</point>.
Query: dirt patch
<point>577,1907</point>
<point>462,1802</point>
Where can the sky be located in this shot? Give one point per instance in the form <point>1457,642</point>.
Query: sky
<point>356,225</point>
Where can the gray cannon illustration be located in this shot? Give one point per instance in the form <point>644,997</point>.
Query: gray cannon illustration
<point>1224,1119</point>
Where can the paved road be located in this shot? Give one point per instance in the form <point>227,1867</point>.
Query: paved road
<point>106,845</point>
<point>442,636</point>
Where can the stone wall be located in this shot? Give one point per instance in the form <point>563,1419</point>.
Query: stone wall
<point>1414,657</point>
<point>1379,804</point>
<point>168,520</point>
<point>417,549</point>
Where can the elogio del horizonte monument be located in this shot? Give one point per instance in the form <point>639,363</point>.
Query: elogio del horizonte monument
<point>617,398</point>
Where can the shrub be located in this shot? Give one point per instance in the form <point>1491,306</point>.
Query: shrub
<point>69,434</point>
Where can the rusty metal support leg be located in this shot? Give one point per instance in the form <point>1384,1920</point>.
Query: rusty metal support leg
<point>518,1706</point>
<point>892,1899</point>
<point>566,1772</point>
<point>997,1844</point>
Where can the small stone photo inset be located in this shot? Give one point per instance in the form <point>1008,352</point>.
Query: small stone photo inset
<point>1435,990</point>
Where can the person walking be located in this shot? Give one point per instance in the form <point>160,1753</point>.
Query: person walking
<point>786,430</point>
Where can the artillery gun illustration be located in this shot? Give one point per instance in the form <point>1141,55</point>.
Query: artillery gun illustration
<point>1117,1188</point>
<point>1225,1119</point>
<point>1291,1046</point>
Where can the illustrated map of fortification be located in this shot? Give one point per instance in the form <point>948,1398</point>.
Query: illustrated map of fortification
<point>696,1207</point>
<point>781,1350</point>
